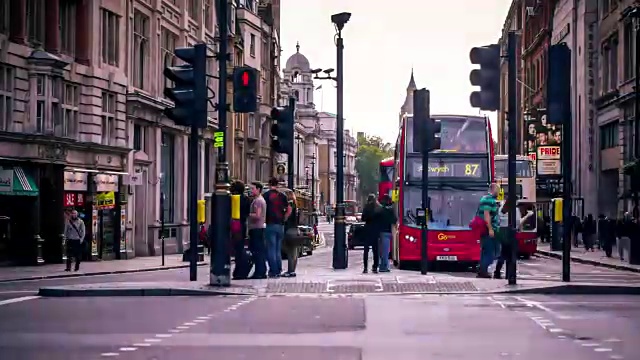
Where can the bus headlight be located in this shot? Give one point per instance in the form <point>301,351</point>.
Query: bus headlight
<point>410,238</point>
<point>478,241</point>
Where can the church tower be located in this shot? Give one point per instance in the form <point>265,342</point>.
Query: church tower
<point>298,72</point>
<point>407,107</point>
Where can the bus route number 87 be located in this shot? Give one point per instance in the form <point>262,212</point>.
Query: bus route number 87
<point>471,169</point>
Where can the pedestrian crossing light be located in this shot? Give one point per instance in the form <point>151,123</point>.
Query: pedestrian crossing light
<point>189,93</point>
<point>282,130</point>
<point>245,89</point>
<point>487,77</point>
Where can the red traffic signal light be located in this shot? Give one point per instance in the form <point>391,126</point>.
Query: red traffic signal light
<point>245,79</point>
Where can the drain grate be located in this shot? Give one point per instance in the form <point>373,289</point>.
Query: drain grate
<point>440,287</point>
<point>354,288</point>
<point>300,288</point>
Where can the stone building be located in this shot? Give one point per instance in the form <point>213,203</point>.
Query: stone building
<point>82,125</point>
<point>63,125</point>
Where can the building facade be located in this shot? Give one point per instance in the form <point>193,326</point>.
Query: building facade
<point>83,126</point>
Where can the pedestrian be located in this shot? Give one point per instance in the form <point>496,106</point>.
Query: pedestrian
<point>74,232</point>
<point>504,243</point>
<point>256,225</point>
<point>278,211</point>
<point>589,232</point>
<point>239,233</point>
<point>292,237</point>
<point>371,232</point>
<point>624,232</point>
<point>488,211</point>
<point>387,219</point>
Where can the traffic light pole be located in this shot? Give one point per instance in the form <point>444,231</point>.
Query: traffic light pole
<point>512,111</point>
<point>423,133</point>
<point>340,243</point>
<point>290,159</point>
<point>220,266</point>
<point>194,164</point>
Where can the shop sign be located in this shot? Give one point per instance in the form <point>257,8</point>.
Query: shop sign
<point>80,199</point>
<point>548,160</point>
<point>6,181</point>
<point>75,181</point>
<point>105,200</point>
<point>69,199</point>
<point>106,182</point>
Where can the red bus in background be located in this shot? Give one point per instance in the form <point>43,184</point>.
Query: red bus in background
<point>385,184</point>
<point>459,175</point>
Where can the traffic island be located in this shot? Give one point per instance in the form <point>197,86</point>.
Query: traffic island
<point>143,289</point>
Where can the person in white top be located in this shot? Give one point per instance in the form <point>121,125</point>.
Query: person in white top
<point>505,244</point>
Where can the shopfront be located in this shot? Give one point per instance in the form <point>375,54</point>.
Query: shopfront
<point>18,199</point>
<point>108,218</point>
<point>76,193</point>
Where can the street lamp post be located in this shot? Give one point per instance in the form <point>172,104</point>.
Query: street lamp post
<point>298,138</point>
<point>340,246</point>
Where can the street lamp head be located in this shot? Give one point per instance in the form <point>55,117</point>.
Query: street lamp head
<point>328,71</point>
<point>340,19</point>
<point>316,71</point>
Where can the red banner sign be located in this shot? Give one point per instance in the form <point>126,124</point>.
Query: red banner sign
<point>69,199</point>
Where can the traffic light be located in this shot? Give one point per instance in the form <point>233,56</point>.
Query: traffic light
<point>245,89</point>
<point>426,131</point>
<point>487,77</point>
<point>189,94</point>
<point>282,130</point>
<point>559,84</point>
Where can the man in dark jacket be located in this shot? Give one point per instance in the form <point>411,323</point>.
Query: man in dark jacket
<point>386,220</point>
<point>371,233</point>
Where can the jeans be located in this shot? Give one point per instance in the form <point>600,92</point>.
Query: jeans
<point>487,253</point>
<point>74,250</point>
<point>385,246</point>
<point>372,241</point>
<point>258,250</point>
<point>274,235</point>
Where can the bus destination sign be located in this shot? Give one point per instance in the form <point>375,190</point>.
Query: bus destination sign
<point>472,169</point>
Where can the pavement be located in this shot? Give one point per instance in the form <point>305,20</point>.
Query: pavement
<point>408,327</point>
<point>597,258</point>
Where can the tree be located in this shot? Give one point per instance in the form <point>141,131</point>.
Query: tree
<point>371,150</point>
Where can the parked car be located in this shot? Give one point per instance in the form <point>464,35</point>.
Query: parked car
<point>355,235</point>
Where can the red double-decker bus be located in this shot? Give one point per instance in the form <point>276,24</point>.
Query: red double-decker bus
<point>459,175</point>
<point>385,183</point>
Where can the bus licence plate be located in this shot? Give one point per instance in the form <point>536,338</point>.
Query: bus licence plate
<point>447,258</point>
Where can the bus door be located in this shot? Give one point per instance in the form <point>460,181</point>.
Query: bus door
<point>527,235</point>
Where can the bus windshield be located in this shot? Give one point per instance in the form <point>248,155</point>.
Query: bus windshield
<point>386,173</point>
<point>451,208</point>
<point>457,134</point>
<point>523,168</point>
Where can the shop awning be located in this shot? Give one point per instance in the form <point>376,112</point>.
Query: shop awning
<point>22,185</point>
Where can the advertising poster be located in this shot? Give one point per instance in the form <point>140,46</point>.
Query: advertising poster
<point>543,139</point>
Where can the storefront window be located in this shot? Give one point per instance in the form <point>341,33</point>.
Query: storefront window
<point>167,168</point>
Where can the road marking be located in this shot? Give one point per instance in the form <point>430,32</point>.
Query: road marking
<point>555,330</point>
<point>111,354</point>
<point>17,300</point>
<point>128,349</point>
<point>602,350</point>
<point>152,340</point>
<point>616,357</point>
<point>175,331</point>
<point>590,344</point>
<point>181,327</point>
<point>142,345</point>
<point>189,324</point>
<point>613,340</point>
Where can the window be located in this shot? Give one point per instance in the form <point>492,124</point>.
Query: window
<point>610,64</point>
<point>524,168</point>
<point>605,7</point>
<point>108,117</point>
<point>167,47</point>
<point>140,49</point>
<point>251,126</point>
<point>238,124</point>
<point>5,15</point>
<point>138,137</point>
<point>194,9</point>
<point>167,170</point>
<point>110,38</point>
<point>35,22</point>
<point>208,15</point>
<point>68,27</point>
<point>252,45</point>
<point>6,96</point>
<point>70,110</point>
<point>629,50</point>
<point>609,135</point>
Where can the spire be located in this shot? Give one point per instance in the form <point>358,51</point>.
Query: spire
<point>298,46</point>
<point>412,82</point>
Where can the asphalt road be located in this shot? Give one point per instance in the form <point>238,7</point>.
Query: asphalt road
<point>320,327</point>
